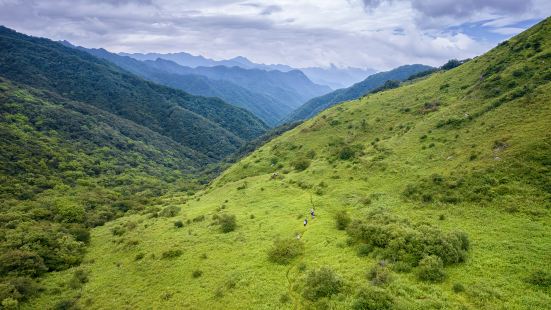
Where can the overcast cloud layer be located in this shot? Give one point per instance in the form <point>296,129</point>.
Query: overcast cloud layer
<point>362,33</point>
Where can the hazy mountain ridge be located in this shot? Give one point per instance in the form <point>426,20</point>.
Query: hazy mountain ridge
<point>331,76</point>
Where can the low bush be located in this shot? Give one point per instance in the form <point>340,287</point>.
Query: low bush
<point>399,240</point>
<point>431,268</point>
<point>342,219</point>
<point>227,223</point>
<point>379,274</point>
<point>301,164</point>
<point>196,273</point>
<point>178,224</point>
<point>79,278</point>
<point>540,278</point>
<point>198,218</point>
<point>285,250</point>
<point>458,288</point>
<point>373,298</point>
<point>321,283</point>
<point>173,253</point>
<point>170,211</point>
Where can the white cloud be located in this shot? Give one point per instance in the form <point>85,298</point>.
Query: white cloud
<point>294,32</point>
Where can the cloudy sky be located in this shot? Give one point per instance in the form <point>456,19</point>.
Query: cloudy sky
<point>378,34</point>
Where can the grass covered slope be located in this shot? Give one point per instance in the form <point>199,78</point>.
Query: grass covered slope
<point>440,188</point>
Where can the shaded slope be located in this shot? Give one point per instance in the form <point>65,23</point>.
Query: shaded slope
<point>207,125</point>
<point>466,149</point>
<point>173,75</point>
<point>316,105</point>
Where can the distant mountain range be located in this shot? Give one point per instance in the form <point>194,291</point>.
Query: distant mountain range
<point>318,104</point>
<point>332,76</point>
<point>270,95</point>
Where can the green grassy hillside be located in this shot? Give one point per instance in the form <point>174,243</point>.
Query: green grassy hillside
<point>434,195</point>
<point>315,105</point>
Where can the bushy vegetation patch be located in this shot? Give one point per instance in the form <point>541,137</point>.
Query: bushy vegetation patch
<point>172,253</point>
<point>399,240</point>
<point>540,278</point>
<point>227,223</point>
<point>379,274</point>
<point>322,282</point>
<point>373,298</point>
<point>285,250</point>
<point>342,219</point>
<point>301,164</point>
<point>431,268</point>
<point>170,211</point>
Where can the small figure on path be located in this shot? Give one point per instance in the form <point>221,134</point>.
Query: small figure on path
<point>312,213</point>
<point>305,222</point>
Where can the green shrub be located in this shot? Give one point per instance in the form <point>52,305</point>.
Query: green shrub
<point>321,283</point>
<point>139,256</point>
<point>364,249</point>
<point>227,223</point>
<point>284,298</point>
<point>198,218</point>
<point>65,304</point>
<point>301,164</point>
<point>540,278</point>
<point>196,273</point>
<point>79,278</point>
<point>178,224</point>
<point>173,253</point>
<point>379,274</point>
<point>170,211</point>
<point>373,298</point>
<point>118,231</point>
<point>431,268</point>
<point>21,262</point>
<point>342,219</point>
<point>399,240</point>
<point>285,250</point>
<point>458,288</point>
<point>9,303</point>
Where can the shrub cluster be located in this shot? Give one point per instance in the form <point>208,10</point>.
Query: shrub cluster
<point>170,211</point>
<point>431,268</point>
<point>399,240</point>
<point>285,250</point>
<point>342,219</point>
<point>173,253</point>
<point>373,298</point>
<point>321,283</point>
<point>301,164</point>
<point>227,223</point>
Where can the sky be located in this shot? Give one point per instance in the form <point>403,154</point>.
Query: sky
<point>377,34</point>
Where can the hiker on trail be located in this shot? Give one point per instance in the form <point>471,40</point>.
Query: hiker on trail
<point>305,222</point>
<point>312,213</point>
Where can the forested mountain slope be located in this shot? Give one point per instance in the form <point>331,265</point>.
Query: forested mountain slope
<point>207,125</point>
<point>318,104</point>
<point>432,195</point>
<point>270,109</point>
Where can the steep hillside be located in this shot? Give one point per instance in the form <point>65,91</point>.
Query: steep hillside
<point>67,167</point>
<point>207,125</point>
<point>318,104</point>
<point>168,73</point>
<point>434,195</point>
